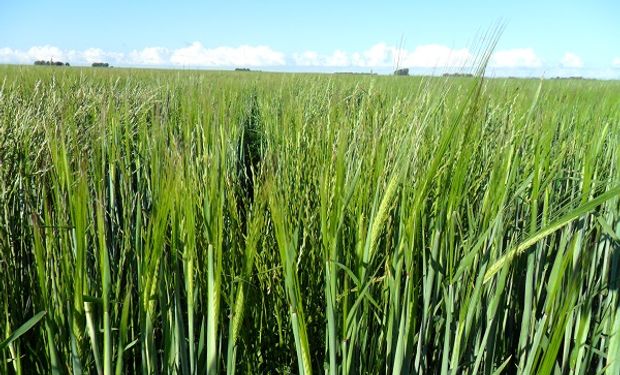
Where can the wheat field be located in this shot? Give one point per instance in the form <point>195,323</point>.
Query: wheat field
<point>160,221</point>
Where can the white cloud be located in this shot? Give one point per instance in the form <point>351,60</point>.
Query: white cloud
<point>197,55</point>
<point>515,58</point>
<point>382,55</point>
<point>435,56</point>
<point>312,58</point>
<point>338,58</point>
<point>616,62</point>
<point>13,56</point>
<point>150,56</point>
<point>379,55</point>
<point>194,55</point>
<point>46,52</point>
<point>570,60</point>
<point>307,58</point>
<point>92,55</point>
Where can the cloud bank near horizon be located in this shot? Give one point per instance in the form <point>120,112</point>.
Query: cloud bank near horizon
<point>380,56</point>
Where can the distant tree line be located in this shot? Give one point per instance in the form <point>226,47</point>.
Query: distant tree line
<point>50,62</point>
<point>242,69</point>
<point>357,73</point>
<point>401,72</point>
<point>571,77</point>
<point>100,65</point>
<point>468,75</point>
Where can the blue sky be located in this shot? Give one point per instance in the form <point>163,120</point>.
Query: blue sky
<point>550,37</point>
